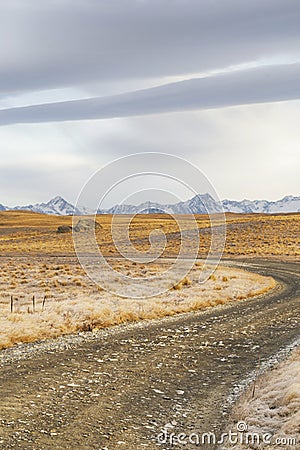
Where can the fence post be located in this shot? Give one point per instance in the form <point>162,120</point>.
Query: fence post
<point>33,303</point>
<point>11,303</point>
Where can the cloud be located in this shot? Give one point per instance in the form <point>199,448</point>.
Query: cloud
<point>46,45</point>
<point>244,151</point>
<point>259,85</point>
<point>248,151</point>
<point>149,57</point>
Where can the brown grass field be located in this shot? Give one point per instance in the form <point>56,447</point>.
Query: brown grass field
<point>51,294</point>
<point>251,235</point>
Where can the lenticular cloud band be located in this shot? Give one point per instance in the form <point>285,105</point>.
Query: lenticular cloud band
<point>259,85</point>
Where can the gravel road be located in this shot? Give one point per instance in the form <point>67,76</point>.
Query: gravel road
<point>119,388</point>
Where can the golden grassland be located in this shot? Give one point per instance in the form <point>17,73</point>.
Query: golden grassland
<point>36,261</point>
<point>253,235</point>
<point>67,301</point>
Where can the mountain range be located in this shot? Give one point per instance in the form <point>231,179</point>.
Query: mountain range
<point>200,204</point>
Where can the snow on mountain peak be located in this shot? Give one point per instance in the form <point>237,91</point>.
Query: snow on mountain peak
<point>199,204</point>
<point>56,199</point>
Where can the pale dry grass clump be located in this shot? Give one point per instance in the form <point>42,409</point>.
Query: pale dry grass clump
<point>185,282</point>
<point>274,407</point>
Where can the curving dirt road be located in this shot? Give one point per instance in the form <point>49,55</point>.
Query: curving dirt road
<point>120,388</point>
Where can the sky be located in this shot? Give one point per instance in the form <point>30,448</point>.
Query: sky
<point>83,82</point>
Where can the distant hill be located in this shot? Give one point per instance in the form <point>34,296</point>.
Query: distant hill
<point>200,204</point>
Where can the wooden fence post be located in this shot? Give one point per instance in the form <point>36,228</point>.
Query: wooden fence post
<point>11,304</point>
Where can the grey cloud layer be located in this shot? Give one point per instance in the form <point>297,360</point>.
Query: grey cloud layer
<point>264,84</point>
<point>61,43</point>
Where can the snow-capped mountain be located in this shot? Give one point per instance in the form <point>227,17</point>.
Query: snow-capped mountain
<point>200,204</point>
<point>203,203</point>
<point>245,206</point>
<point>285,205</point>
<point>56,205</point>
<point>143,208</point>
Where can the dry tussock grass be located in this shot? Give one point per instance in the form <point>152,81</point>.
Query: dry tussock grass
<point>74,303</point>
<point>247,234</point>
<point>275,407</point>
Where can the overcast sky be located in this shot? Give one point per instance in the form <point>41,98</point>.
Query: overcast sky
<point>83,82</point>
